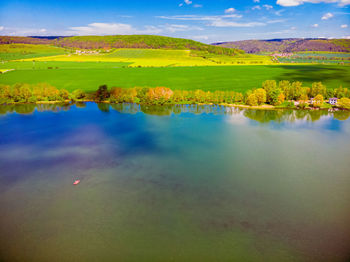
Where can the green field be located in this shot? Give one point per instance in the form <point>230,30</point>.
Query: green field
<point>317,57</point>
<point>24,51</point>
<point>158,58</point>
<point>89,75</point>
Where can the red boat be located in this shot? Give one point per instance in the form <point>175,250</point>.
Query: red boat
<point>76,182</point>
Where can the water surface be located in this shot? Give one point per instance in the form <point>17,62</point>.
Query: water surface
<point>181,183</point>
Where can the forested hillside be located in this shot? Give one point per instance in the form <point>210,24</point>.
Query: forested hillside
<point>289,45</point>
<point>123,41</point>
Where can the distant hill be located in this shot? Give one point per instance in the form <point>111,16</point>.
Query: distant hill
<point>122,41</point>
<point>289,45</point>
<point>24,40</point>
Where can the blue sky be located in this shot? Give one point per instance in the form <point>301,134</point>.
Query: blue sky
<point>203,20</point>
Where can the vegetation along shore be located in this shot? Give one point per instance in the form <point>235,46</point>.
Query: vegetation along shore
<point>272,94</point>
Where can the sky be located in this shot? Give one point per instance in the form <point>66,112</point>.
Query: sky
<point>207,21</point>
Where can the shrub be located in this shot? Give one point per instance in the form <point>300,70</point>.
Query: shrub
<point>318,101</point>
<point>260,95</point>
<point>5,94</point>
<point>159,95</point>
<point>326,106</point>
<point>318,89</point>
<point>78,94</point>
<point>64,94</point>
<point>102,93</point>
<point>344,103</point>
<point>287,104</point>
<point>276,97</point>
<point>252,100</point>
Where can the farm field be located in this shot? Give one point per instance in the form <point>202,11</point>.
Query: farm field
<point>160,58</point>
<point>88,76</point>
<point>27,51</point>
<point>317,57</point>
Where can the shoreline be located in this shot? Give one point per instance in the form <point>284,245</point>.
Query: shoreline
<point>260,107</point>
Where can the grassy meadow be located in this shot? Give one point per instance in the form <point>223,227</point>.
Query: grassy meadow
<point>88,75</point>
<point>27,51</point>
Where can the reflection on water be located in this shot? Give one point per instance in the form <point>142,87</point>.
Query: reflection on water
<point>174,183</point>
<point>262,116</point>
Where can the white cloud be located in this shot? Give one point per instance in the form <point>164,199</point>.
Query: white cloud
<point>279,12</point>
<point>179,28</point>
<point>344,26</point>
<point>190,2</point>
<point>222,23</point>
<point>18,31</point>
<point>300,2</point>
<point>230,10</point>
<point>256,7</point>
<point>112,29</point>
<point>126,29</point>
<point>215,20</point>
<point>268,7</point>
<point>276,21</point>
<point>293,28</point>
<point>256,1</point>
<point>327,16</point>
<point>200,37</point>
<point>199,17</point>
<point>315,25</point>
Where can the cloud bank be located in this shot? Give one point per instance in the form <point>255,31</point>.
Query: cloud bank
<point>300,2</point>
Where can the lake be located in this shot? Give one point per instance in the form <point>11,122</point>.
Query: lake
<point>173,183</point>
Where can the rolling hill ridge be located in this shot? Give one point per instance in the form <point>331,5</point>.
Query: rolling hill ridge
<point>123,41</point>
<point>289,45</point>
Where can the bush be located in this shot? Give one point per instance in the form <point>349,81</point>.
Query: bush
<point>344,103</point>
<point>252,100</point>
<point>159,95</point>
<point>318,101</point>
<point>102,93</point>
<point>326,106</point>
<point>64,94</point>
<point>260,95</point>
<point>78,94</point>
<point>287,104</point>
<point>276,97</point>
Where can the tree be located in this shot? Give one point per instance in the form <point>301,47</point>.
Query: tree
<point>102,93</point>
<point>25,93</point>
<point>297,90</point>
<point>260,95</point>
<point>318,101</point>
<point>252,100</point>
<point>318,88</point>
<point>269,86</point>
<point>344,103</point>
<point>286,88</point>
<point>64,94</point>
<point>159,95</point>
<point>280,98</point>
<point>329,93</point>
<point>5,93</point>
<point>276,97</point>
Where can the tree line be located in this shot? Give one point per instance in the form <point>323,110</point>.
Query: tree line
<point>280,94</point>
